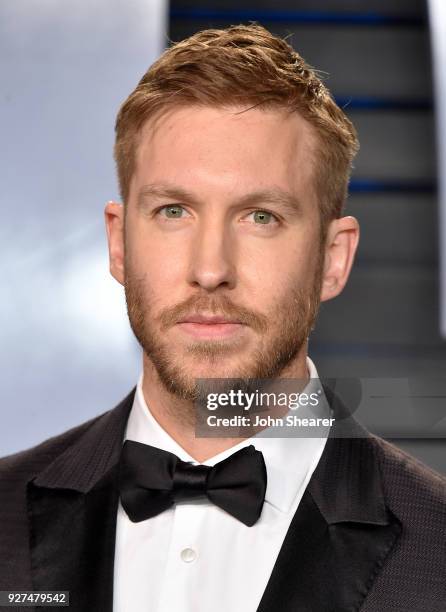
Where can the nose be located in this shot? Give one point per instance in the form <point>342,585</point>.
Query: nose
<point>212,256</point>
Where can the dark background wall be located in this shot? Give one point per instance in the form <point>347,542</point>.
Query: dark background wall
<point>376,56</point>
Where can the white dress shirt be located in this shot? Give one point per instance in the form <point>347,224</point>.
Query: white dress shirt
<point>195,557</point>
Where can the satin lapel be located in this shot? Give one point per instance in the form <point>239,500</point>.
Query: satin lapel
<point>339,537</point>
<point>72,509</point>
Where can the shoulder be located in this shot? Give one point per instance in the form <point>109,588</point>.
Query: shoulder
<point>16,471</point>
<point>26,464</point>
<point>413,575</point>
<point>57,454</point>
<point>413,491</point>
<point>22,466</point>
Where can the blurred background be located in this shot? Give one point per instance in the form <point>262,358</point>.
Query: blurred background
<point>67,350</point>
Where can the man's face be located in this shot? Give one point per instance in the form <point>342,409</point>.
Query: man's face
<point>222,248</point>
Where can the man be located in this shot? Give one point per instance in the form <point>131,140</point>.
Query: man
<point>233,163</point>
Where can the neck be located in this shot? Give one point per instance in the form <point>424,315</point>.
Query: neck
<point>169,410</point>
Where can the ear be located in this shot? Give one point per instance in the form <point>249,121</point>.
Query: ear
<point>340,248</point>
<point>114,224</point>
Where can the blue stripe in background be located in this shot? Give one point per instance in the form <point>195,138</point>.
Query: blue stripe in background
<point>378,104</point>
<point>304,17</point>
<point>358,185</point>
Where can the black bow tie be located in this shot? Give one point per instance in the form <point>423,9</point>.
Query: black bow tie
<point>151,480</point>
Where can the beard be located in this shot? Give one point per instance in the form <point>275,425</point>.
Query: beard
<point>281,335</point>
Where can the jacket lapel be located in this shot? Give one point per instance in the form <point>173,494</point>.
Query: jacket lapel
<point>72,509</point>
<point>340,535</point>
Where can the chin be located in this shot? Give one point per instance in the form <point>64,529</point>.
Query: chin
<point>214,367</point>
<point>215,370</point>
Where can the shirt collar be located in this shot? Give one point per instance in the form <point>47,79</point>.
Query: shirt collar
<point>289,461</point>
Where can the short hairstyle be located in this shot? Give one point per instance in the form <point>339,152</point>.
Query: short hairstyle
<point>236,66</point>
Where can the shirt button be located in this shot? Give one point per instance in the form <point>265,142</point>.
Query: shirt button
<point>188,555</point>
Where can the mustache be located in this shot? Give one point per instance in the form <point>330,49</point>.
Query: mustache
<point>219,306</point>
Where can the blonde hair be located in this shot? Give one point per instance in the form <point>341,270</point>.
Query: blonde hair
<point>242,65</point>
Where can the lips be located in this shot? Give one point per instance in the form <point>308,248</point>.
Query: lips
<point>210,327</point>
<point>208,320</point>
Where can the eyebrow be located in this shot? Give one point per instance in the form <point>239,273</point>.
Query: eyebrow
<point>273,195</point>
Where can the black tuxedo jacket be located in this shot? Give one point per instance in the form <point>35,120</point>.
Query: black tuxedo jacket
<point>369,533</point>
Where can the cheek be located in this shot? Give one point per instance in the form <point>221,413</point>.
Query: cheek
<point>273,272</point>
<point>158,266</point>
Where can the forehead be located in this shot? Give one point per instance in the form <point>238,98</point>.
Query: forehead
<point>228,147</point>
